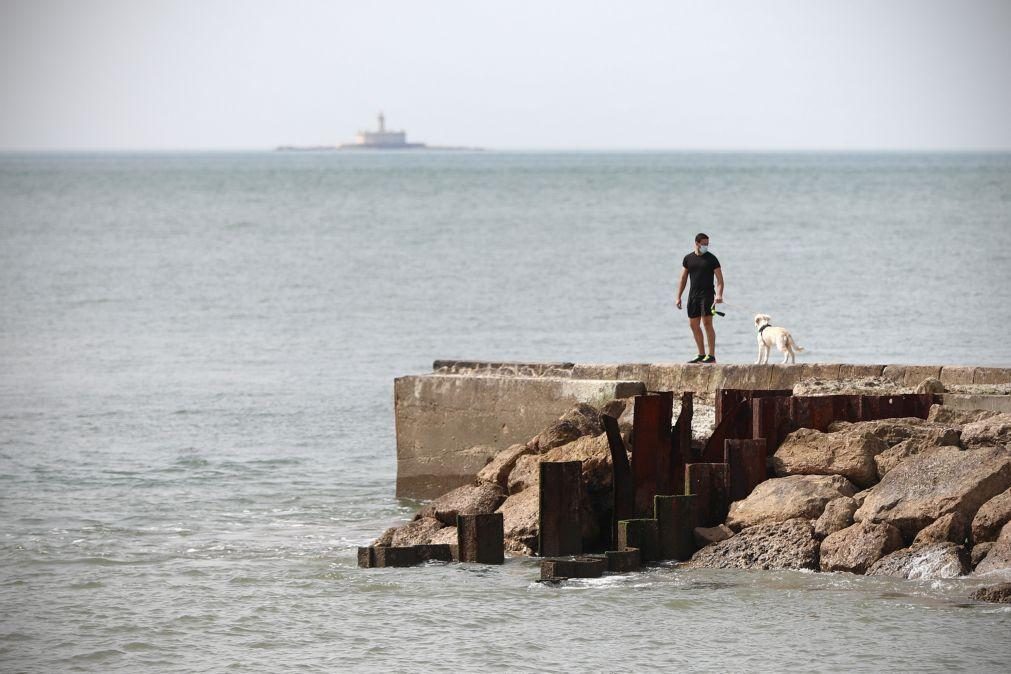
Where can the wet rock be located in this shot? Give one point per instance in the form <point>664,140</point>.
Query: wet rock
<point>471,499</point>
<point>847,453</point>
<point>707,535</point>
<point>953,416</point>
<point>418,532</point>
<point>784,498</point>
<point>937,560</point>
<point>781,545</point>
<point>952,528</point>
<point>519,514</point>
<point>998,559</point>
<point>989,432</point>
<point>930,385</point>
<point>1000,593</point>
<point>856,548</point>
<point>979,552</point>
<point>498,469</point>
<point>991,517</point>
<point>837,516</point>
<point>926,487</point>
<point>894,431</point>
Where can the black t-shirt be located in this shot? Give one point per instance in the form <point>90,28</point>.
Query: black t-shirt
<point>701,270</point>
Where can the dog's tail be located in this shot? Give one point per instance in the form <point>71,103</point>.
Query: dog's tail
<point>795,346</point>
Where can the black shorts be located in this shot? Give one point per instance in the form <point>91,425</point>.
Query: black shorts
<point>701,303</point>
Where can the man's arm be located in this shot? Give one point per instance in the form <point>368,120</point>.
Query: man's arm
<point>681,286</point>
<point>719,285</point>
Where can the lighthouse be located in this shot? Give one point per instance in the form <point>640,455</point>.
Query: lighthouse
<point>382,138</point>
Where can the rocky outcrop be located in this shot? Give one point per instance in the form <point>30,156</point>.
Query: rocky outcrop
<point>952,528</point>
<point>856,548</point>
<point>998,559</point>
<point>782,545</point>
<point>498,469</point>
<point>520,522</point>
<point>593,451</point>
<point>991,517</point>
<point>1000,593</point>
<point>418,532</point>
<point>837,516</point>
<point>928,562</point>
<point>988,432</point>
<point>471,499</point>
<point>784,498</point>
<point>708,535</point>
<point>847,453</point>
<point>926,487</point>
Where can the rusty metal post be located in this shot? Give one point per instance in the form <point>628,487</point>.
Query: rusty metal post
<point>733,420</point>
<point>481,538</point>
<point>675,516</point>
<point>640,534</point>
<point>746,466</point>
<point>591,566</point>
<point>709,483</point>
<point>434,552</point>
<point>366,558</point>
<point>651,448</point>
<point>623,491</point>
<point>560,489</point>
<point>395,556</point>
<point>681,442</point>
<point>622,561</point>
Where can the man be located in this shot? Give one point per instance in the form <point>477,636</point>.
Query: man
<point>701,266</point>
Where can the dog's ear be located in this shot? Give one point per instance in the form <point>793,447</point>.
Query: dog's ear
<point>758,318</point>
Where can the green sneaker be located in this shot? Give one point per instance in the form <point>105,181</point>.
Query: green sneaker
<point>708,359</point>
<point>698,359</point>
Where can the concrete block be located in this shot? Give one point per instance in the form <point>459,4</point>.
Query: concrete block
<point>745,377</point>
<point>623,561</point>
<point>957,374</point>
<point>784,376</point>
<point>822,371</point>
<point>502,369</point>
<point>992,375</point>
<point>394,556</point>
<point>676,519</point>
<point>560,504</point>
<point>449,426</point>
<point>996,403</point>
<point>640,534</point>
<point>481,538</point>
<point>910,375</point>
<point>664,377</point>
<point>847,371</point>
<point>589,566</point>
<point>699,378</point>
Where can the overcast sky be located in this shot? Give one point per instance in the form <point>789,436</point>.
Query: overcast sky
<point>712,74</point>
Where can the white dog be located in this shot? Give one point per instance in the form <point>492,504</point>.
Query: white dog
<point>769,337</point>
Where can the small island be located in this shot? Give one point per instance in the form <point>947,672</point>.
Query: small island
<point>379,139</point>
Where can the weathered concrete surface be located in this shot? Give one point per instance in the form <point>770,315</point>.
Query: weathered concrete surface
<point>450,426</point>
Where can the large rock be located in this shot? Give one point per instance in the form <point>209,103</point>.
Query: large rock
<point>998,560</point>
<point>847,453</point>
<point>707,535</point>
<point>418,532</point>
<point>937,560</point>
<point>581,420</point>
<point>926,487</point>
<point>520,522</point>
<point>995,430</point>
<point>952,528</point>
<point>896,454</point>
<point>856,548</point>
<point>471,499</point>
<point>782,545</point>
<point>837,516</point>
<point>989,519</point>
<point>980,551</point>
<point>446,535</point>
<point>1000,593</point>
<point>894,431</point>
<point>784,498</point>
<point>498,469</point>
<point>954,416</point>
<point>592,451</point>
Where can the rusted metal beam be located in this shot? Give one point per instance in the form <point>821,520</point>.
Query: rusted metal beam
<point>590,566</point>
<point>623,490</point>
<point>651,448</point>
<point>481,538</point>
<point>681,442</point>
<point>734,419</point>
<point>676,519</point>
<point>746,466</point>
<point>640,534</point>
<point>623,561</point>
<point>709,483</point>
<point>559,526</point>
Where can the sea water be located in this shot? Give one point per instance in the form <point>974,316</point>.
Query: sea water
<point>197,354</point>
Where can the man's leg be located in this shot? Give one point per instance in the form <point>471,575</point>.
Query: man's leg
<point>707,323</point>
<point>697,334</point>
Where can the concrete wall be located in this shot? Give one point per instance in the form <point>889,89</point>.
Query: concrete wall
<point>451,422</point>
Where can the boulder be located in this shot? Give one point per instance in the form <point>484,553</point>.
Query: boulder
<point>930,385</point>
<point>520,522</point>
<point>860,496</point>
<point>1000,593</point>
<point>837,516</point>
<point>998,559</point>
<point>498,469</point>
<point>943,414</point>
<point>989,432</point>
<point>893,456</point>
<point>894,431</point>
<point>593,451</point>
<point>856,548</point>
<point>471,499</point>
<point>952,528</point>
<point>418,532</point>
<point>616,407</point>
<point>781,545</point>
<point>926,487</point>
<point>783,498</point>
<point>445,535</point>
<point>707,535</point>
<point>979,552</point>
<point>385,539</point>
<point>989,519</point>
<point>811,452</point>
<point>581,420</point>
<point>928,562</point>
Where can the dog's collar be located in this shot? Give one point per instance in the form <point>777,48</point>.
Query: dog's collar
<point>767,325</point>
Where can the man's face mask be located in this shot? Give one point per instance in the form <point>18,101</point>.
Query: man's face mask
<point>703,249</point>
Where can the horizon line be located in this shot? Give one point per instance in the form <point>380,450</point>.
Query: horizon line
<point>448,149</point>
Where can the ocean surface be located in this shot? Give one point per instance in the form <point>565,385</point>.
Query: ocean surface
<point>197,354</point>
